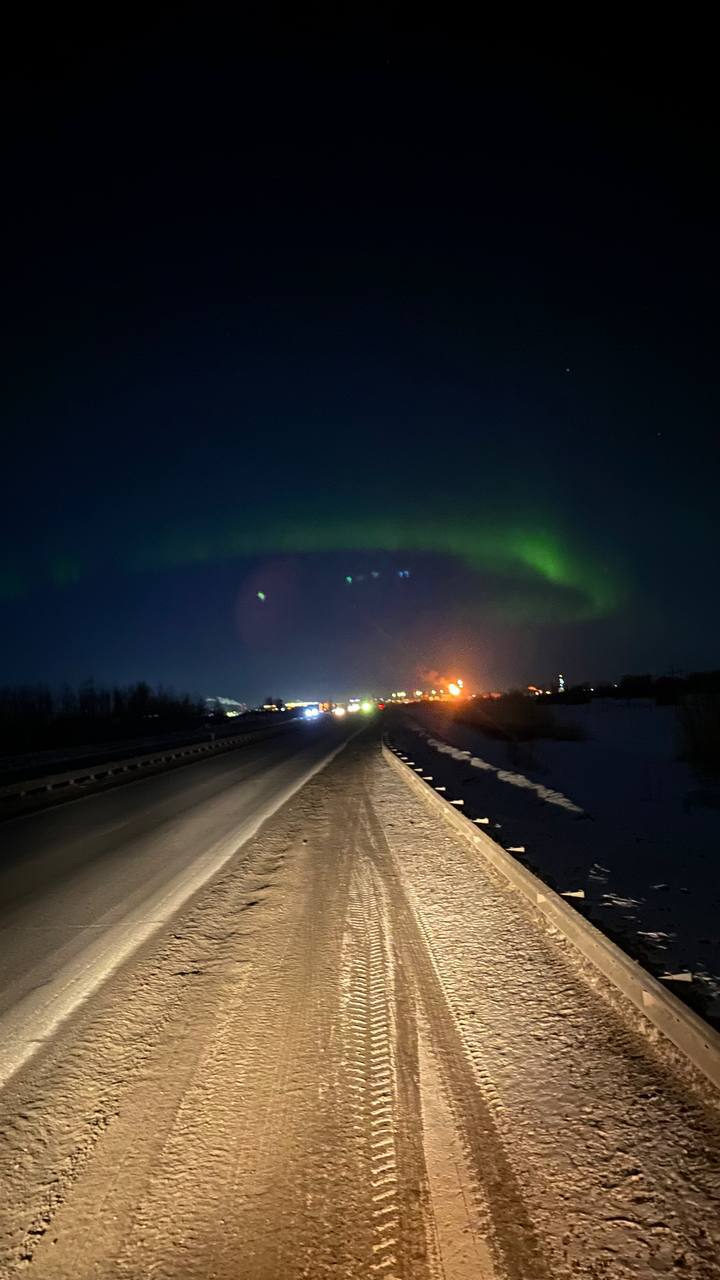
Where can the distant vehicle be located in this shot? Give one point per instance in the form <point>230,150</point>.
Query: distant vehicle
<point>311,711</point>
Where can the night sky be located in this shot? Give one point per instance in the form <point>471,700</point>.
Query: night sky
<point>437,315</point>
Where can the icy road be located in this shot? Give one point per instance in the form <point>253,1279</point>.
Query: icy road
<point>351,1052</point>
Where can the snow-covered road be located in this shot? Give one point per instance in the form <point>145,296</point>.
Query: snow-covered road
<point>356,1053</point>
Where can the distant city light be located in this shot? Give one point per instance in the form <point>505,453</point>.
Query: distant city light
<point>373,702</point>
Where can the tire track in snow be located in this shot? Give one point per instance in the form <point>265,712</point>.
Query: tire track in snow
<point>498,1209</point>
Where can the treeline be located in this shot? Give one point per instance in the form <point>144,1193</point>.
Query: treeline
<point>668,690</point>
<point>37,718</point>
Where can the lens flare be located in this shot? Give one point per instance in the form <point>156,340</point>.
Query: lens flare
<point>575,586</point>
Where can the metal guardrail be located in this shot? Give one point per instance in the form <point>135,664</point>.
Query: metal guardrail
<point>40,764</point>
<point>110,768</point>
<point>694,1038</point>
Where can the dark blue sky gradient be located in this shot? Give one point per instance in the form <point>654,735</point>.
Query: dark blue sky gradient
<point>331,278</point>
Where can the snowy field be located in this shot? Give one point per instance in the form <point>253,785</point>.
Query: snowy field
<point>616,822</point>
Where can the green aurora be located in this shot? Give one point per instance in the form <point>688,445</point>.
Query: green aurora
<point>545,577</point>
<point>527,558</point>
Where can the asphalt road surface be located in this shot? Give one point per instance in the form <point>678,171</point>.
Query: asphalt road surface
<point>351,1052</point>
<point>82,884</point>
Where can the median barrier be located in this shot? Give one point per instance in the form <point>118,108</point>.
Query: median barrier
<point>29,788</point>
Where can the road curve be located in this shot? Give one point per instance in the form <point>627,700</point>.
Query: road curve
<point>355,1053</point>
